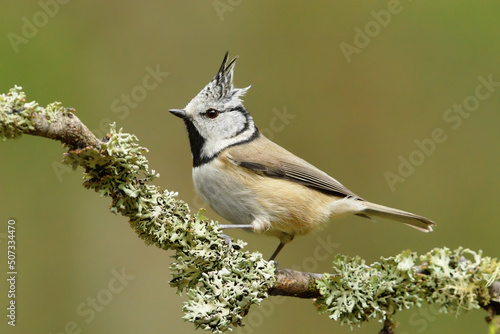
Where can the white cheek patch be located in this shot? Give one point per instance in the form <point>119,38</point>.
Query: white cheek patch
<point>220,135</point>
<point>226,126</point>
<point>212,147</point>
<point>223,126</point>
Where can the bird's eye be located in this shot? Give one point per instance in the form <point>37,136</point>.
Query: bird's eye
<point>212,113</point>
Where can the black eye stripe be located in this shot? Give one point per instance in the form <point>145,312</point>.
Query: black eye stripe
<point>241,110</point>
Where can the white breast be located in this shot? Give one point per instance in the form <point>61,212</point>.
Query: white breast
<point>226,195</point>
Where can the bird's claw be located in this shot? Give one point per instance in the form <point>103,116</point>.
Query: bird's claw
<point>229,243</point>
<point>275,265</point>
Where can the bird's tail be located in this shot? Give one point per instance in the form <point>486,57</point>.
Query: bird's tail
<point>376,210</point>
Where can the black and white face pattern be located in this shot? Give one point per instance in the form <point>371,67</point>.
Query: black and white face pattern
<point>216,118</point>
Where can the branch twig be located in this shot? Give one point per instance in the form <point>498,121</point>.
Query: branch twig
<point>64,127</point>
<point>294,283</point>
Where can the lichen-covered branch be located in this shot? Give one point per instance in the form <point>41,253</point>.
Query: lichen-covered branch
<point>222,281</point>
<point>294,283</point>
<point>54,121</point>
<point>456,280</point>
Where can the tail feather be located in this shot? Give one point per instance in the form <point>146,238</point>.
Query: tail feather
<point>376,210</point>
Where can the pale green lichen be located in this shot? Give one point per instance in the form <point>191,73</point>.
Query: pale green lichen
<point>221,283</point>
<point>356,292</point>
<point>54,108</point>
<point>458,279</point>
<point>15,114</point>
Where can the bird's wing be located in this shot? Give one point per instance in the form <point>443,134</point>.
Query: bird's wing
<point>267,158</point>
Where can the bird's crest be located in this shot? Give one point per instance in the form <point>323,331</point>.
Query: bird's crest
<point>221,87</point>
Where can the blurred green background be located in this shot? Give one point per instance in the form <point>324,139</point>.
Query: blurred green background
<point>354,113</point>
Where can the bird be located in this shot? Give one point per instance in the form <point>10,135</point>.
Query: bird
<point>255,183</point>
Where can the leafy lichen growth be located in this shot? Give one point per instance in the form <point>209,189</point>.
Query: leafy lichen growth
<point>458,279</point>
<point>356,292</point>
<point>15,114</point>
<point>237,279</point>
<point>220,282</point>
<point>53,109</point>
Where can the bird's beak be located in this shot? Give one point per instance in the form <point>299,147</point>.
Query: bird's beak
<point>179,113</point>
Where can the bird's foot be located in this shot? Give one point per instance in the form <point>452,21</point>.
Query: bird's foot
<point>275,265</point>
<point>229,242</point>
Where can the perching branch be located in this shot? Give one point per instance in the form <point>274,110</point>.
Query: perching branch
<point>222,282</point>
<point>65,127</point>
<point>294,283</point>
